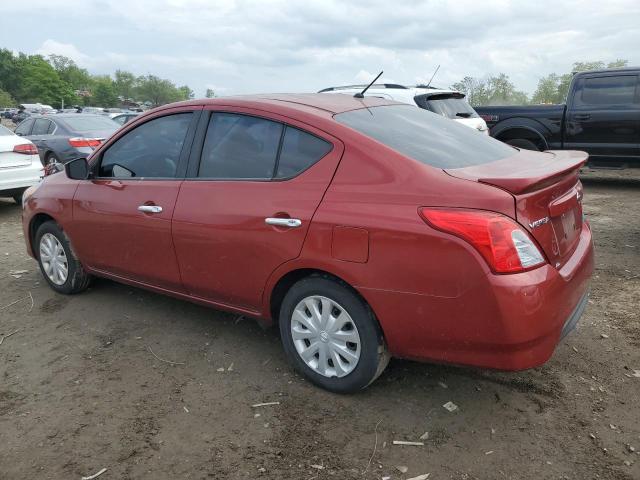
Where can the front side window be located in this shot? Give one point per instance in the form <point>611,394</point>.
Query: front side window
<point>299,151</point>
<point>240,147</point>
<point>151,150</point>
<point>609,90</point>
<point>428,138</point>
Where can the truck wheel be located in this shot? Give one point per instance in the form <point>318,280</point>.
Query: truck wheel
<point>523,143</point>
<point>331,336</point>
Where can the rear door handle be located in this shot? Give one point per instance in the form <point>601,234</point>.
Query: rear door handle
<point>582,116</point>
<point>283,222</point>
<point>150,209</point>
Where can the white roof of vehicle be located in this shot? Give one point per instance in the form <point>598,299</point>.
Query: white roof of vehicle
<point>391,90</point>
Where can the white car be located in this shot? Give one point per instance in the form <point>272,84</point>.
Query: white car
<point>448,103</point>
<point>20,165</point>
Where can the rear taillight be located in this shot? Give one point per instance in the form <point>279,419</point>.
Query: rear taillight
<point>26,149</point>
<point>85,142</point>
<point>505,246</point>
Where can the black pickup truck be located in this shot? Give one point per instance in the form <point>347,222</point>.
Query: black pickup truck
<point>601,117</point>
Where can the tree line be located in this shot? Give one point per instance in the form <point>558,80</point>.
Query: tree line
<point>499,90</point>
<point>57,79</point>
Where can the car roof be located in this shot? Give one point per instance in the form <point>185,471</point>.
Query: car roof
<point>67,115</point>
<point>315,103</point>
<point>392,89</point>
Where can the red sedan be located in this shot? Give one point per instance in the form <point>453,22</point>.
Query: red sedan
<point>366,228</point>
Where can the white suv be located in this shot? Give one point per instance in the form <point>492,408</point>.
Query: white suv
<point>448,103</point>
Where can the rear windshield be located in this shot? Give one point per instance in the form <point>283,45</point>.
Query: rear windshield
<point>450,106</point>
<point>86,123</point>
<point>426,137</point>
<point>5,131</point>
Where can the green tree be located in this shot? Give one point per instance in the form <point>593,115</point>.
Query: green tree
<point>6,100</point>
<point>547,90</point>
<point>492,90</point>
<point>125,84</point>
<point>104,92</point>
<point>9,72</point>
<point>156,90</point>
<point>39,82</point>
<point>185,92</point>
<point>77,77</point>
<point>210,93</point>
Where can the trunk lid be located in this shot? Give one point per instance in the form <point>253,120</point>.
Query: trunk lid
<point>547,194</point>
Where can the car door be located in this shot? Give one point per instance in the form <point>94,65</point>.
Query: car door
<point>253,185</point>
<point>603,118</point>
<point>122,215</point>
<point>40,133</point>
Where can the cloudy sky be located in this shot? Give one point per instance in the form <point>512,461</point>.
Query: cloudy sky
<point>244,46</point>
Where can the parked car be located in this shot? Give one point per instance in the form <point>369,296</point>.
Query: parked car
<point>122,118</point>
<point>66,136</point>
<point>20,165</point>
<point>601,117</point>
<point>365,227</point>
<point>8,113</point>
<point>448,103</point>
<point>20,116</point>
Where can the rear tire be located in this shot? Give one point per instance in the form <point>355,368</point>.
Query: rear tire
<point>58,263</point>
<point>17,197</point>
<point>355,352</point>
<point>523,143</point>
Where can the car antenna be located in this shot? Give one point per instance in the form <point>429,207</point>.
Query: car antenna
<point>361,94</point>
<point>434,74</point>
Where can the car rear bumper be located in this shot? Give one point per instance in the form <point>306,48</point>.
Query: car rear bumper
<point>511,322</point>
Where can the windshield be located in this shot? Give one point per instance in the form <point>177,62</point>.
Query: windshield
<point>450,105</point>
<point>88,123</point>
<point>425,137</point>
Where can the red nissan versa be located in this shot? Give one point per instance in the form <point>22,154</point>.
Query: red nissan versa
<point>366,228</point>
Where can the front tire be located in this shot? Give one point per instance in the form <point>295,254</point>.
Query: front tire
<point>58,263</point>
<point>331,336</point>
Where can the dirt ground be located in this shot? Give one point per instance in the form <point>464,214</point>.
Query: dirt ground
<point>81,390</point>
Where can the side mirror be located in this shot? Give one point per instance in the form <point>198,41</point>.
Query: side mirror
<point>77,169</point>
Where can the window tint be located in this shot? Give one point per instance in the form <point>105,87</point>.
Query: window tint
<point>41,127</point>
<point>240,146</point>
<point>52,127</point>
<point>611,90</point>
<point>425,136</point>
<point>150,150</point>
<point>25,127</point>
<point>299,151</point>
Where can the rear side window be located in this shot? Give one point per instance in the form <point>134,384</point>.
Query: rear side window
<point>25,127</point>
<point>299,151</point>
<point>609,90</point>
<point>151,150</point>
<point>41,127</point>
<point>240,146</point>
<point>428,138</point>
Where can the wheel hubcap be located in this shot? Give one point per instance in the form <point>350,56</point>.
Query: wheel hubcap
<point>53,259</point>
<point>325,336</point>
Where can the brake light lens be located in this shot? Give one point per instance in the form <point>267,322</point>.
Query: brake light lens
<point>85,142</point>
<point>26,149</point>
<point>504,244</point>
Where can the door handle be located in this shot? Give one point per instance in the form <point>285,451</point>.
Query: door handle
<point>582,116</point>
<point>150,209</point>
<point>283,222</point>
